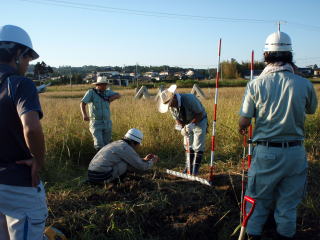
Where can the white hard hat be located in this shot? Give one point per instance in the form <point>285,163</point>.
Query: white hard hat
<point>278,42</point>
<point>11,33</point>
<point>166,97</point>
<point>101,80</point>
<point>134,134</point>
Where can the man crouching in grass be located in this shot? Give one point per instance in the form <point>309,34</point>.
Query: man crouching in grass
<point>114,159</point>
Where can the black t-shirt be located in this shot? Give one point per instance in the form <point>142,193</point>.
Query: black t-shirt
<point>18,95</point>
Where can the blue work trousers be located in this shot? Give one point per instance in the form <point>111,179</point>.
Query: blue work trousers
<point>277,181</point>
<point>101,131</point>
<point>197,138</point>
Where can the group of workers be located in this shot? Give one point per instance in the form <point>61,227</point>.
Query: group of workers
<point>278,100</point>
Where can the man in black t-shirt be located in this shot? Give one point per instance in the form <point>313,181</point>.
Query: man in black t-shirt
<point>23,208</point>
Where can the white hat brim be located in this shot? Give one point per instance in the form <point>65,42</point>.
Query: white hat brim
<point>163,108</point>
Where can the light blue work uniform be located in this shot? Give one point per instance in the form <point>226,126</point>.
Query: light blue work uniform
<point>188,106</point>
<point>23,212</point>
<point>100,124</point>
<point>278,100</point>
<point>116,158</point>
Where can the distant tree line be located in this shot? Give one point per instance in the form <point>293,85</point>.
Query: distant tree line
<point>230,69</point>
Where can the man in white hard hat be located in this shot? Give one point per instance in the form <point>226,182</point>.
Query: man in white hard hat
<point>99,99</point>
<point>191,119</point>
<point>23,209</point>
<point>114,159</point>
<point>278,100</point>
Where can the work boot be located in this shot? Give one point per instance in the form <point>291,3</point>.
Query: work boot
<point>196,162</point>
<point>191,159</point>
<point>281,237</point>
<point>253,237</point>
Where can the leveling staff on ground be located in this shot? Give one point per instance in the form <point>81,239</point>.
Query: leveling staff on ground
<point>116,158</point>
<point>99,100</point>
<point>278,100</point>
<point>191,118</point>
<point>23,208</point>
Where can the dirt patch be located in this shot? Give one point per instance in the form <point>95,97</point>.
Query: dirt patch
<point>154,206</point>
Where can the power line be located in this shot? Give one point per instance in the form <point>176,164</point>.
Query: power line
<point>94,7</point>
<point>102,8</point>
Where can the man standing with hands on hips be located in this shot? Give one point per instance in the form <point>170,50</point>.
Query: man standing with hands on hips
<point>23,209</point>
<point>99,99</point>
<point>278,100</point>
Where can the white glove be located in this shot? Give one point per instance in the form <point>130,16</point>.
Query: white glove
<point>178,127</point>
<point>184,132</point>
<point>189,127</point>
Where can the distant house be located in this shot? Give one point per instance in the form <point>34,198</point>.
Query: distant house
<point>194,74</point>
<point>151,74</point>
<point>108,74</point>
<point>179,75</point>
<point>190,73</point>
<point>316,72</point>
<point>90,77</point>
<point>305,72</point>
<point>164,73</point>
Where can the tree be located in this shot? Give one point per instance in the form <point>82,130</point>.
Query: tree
<point>230,69</point>
<point>41,69</point>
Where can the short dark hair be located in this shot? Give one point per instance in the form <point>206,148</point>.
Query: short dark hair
<point>272,57</point>
<point>7,54</point>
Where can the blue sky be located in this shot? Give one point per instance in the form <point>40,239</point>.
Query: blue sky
<point>113,32</point>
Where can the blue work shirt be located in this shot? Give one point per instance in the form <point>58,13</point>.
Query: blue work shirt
<point>99,108</point>
<point>279,101</point>
<point>189,106</point>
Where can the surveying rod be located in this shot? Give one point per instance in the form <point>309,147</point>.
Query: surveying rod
<point>250,127</point>
<point>215,115</point>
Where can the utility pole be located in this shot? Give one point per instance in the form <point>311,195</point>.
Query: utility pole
<point>70,77</point>
<point>136,74</point>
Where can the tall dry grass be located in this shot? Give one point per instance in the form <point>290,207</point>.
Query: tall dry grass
<point>70,148</point>
<point>69,141</point>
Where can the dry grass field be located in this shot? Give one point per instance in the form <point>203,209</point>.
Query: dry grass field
<point>154,205</point>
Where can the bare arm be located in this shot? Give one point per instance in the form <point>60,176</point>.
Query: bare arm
<point>34,138</point>
<point>84,111</point>
<point>244,124</point>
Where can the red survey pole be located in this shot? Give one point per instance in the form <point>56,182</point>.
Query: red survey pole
<point>215,115</point>
<point>250,127</point>
<point>245,145</point>
<point>242,175</point>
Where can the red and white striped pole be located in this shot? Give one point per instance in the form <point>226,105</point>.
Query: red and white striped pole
<point>242,175</point>
<point>245,145</point>
<point>215,115</point>
<point>250,127</point>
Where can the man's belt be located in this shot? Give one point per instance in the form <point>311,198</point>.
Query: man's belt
<point>280,144</point>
